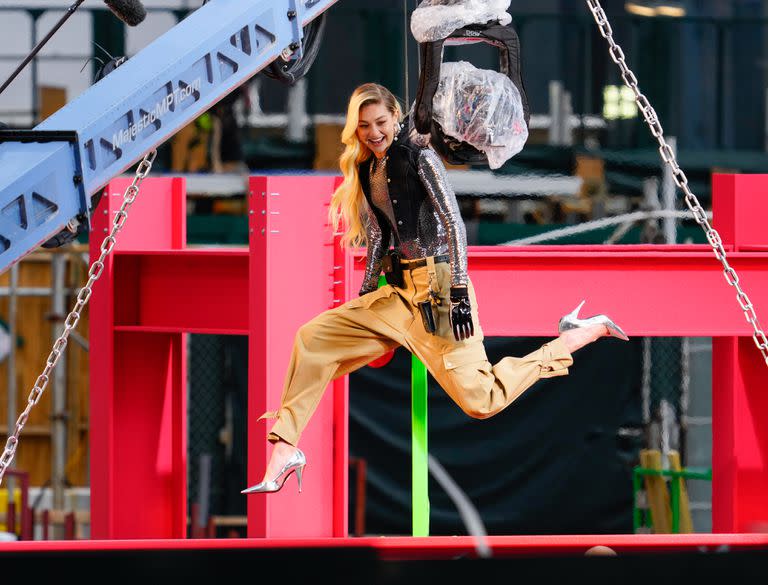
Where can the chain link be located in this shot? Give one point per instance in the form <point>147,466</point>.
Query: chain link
<point>668,155</point>
<point>71,321</point>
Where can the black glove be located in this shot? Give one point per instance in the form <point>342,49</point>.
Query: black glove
<point>461,314</point>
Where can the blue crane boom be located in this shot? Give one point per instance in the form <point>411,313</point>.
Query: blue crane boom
<point>48,174</point>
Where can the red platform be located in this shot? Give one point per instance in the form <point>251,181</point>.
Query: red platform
<point>392,548</point>
<point>736,558</point>
<point>155,290</point>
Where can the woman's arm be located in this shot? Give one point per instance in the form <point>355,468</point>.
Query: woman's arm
<point>375,251</point>
<point>435,180</point>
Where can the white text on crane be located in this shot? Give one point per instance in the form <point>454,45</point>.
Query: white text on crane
<point>159,110</point>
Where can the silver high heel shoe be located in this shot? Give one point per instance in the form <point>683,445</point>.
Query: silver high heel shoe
<point>296,462</point>
<point>572,321</point>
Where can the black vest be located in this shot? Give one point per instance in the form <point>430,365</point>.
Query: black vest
<point>406,191</point>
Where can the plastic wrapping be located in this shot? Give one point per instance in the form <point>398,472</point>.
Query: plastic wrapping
<point>436,19</point>
<point>482,108</point>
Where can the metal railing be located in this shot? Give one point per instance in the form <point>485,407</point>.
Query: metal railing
<point>638,473</point>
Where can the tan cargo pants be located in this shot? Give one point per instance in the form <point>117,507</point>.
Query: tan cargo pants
<point>352,335</point>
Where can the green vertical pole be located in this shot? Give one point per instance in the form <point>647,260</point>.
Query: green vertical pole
<point>675,485</point>
<point>636,512</point>
<point>419,448</point>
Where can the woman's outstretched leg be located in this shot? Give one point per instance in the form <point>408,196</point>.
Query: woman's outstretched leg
<point>283,452</point>
<point>482,389</point>
<point>332,344</point>
<point>462,369</point>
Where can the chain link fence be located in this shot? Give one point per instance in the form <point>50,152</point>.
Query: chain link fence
<point>216,407</point>
<point>677,410</point>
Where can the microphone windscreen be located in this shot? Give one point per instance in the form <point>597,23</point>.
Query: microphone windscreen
<point>131,12</point>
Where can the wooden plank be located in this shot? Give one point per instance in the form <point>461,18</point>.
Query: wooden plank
<point>78,384</point>
<point>685,522</point>
<point>658,495</point>
<point>34,334</point>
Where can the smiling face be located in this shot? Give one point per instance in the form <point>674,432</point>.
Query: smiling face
<point>376,128</point>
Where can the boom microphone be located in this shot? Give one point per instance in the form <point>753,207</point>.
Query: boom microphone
<point>131,12</point>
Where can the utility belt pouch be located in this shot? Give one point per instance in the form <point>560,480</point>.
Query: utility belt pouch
<point>428,317</point>
<point>393,270</point>
<point>428,309</point>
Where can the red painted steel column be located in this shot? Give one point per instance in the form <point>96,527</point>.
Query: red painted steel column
<point>739,426</point>
<point>290,282</point>
<point>138,378</point>
<point>340,287</point>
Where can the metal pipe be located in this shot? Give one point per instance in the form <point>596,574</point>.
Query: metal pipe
<point>566,130</point>
<point>685,396</point>
<point>719,82</point>
<point>765,129</point>
<point>204,491</point>
<point>12,390</point>
<point>297,112</point>
<point>599,223</point>
<point>668,192</point>
<point>645,385</point>
<point>555,112</point>
<point>59,390</point>
<point>36,14</point>
<point>28,291</point>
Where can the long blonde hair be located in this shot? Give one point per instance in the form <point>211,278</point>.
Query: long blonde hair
<point>347,201</point>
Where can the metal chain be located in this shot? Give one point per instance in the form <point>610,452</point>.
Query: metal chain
<point>668,155</point>
<point>71,321</point>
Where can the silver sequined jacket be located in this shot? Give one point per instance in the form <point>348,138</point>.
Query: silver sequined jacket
<point>411,206</point>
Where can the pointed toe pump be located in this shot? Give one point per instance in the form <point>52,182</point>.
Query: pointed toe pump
<point>296,463</point>
<point>572,321</point>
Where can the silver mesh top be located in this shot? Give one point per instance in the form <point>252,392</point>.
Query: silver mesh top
<point>379,190</point>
